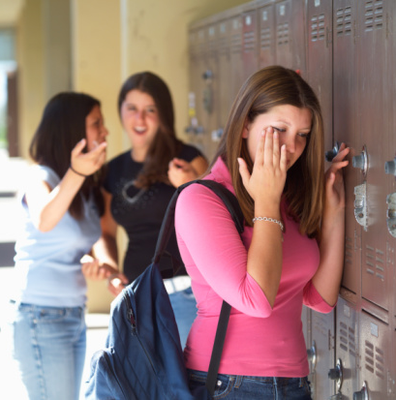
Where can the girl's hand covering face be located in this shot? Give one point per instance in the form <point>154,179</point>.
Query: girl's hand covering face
<point>268,177</point>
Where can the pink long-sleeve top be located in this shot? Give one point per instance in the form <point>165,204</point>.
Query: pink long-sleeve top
<point>260,341</point>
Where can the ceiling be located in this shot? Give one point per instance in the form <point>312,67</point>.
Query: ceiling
<point>9,11</point>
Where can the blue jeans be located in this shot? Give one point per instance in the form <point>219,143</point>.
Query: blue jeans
<point>185,310</point>
<point>237,387</point>
<point>48,345</point>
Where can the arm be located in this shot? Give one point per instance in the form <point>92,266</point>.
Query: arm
<point>181,171</point>
<point>48,205</point>
<point>265,186</point>
<point>105,263</point>
<point>328,277</point>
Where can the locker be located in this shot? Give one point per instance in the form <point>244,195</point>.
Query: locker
<point>236,64</point>
<point>323,336</point>
<point>210,88</point>
<point>266,16</point>
<point>224,76</point>
<point>290,34</point>
<point>249,43</point>
<point>346,130</point>
<point>376,359</point>
<point>373,48</point>
<point>195,129</point>
<point>320,60</point>
<point>346,371</point>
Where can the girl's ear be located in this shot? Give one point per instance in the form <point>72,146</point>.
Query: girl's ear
<point>245,131</point>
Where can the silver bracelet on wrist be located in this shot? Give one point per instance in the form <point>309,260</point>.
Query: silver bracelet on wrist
<point>276,221</point>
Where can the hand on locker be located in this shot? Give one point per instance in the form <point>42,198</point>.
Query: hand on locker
<point>335,191</point>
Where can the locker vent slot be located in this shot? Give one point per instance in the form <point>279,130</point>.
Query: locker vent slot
<point>265,38</point>
<point>223,45</point>
<point>375,263</point>
<point>283,34</point>
<point>317,28</point>
<point>374,360</point>
<point>248,41</point>
<point>373,17</point>
<point>236,43</point>
<point>344,21</point>
<point>347,339</point>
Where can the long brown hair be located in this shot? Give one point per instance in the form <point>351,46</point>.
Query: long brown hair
<point>62,126</point>
<point>304,188</point>
<point>165,145</point>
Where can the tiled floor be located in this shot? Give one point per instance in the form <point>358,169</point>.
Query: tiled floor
<point>11,172</point>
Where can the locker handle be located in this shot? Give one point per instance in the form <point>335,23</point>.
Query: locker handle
<point>336,374</point>
<point>363,394</point>
<point>330,154</point>
<point>360,205</point>
<point>361,161</point>
<point>312,355</point>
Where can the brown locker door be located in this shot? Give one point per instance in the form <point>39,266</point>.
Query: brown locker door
<point>345,104</point>
<point>374,81</point>
<point>323,336</point>
<point>266,17</point>
<point>195,128</point>
<point>12,114</point>
<point>225,76</point>
<point>347,348</point>
<point>210,79</point>
<point>320,60</point>
<point>376,357</point>
<point>249,43</point>
<point>236,56</point>
<point>290,34</point>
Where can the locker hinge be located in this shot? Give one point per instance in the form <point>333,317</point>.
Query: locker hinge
<point>391,384</point>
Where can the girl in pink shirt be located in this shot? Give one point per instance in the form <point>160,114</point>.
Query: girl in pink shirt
<point>291,252</point>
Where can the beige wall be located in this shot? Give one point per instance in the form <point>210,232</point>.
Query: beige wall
<point>156,39</point>
<point>31,84</point>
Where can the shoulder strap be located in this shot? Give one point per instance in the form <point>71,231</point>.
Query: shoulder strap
<point>167,228</point>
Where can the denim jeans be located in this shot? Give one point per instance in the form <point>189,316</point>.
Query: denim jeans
<point>48,346</point>
<point>185,310</point>
<point>237,387</point>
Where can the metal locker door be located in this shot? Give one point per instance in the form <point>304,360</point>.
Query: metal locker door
<point>210,78</point>
<point>320,60</point>
<point>249,43</point>
<point>345,125</point>
<point>195,129</point>
<point>375,359</point>
<point>323,336</point>
<point>373,81</point>
<point>290,34</point>
<point>224,77</point>
<point>266,16</point>
<point>345,372</point>
<point>236,56</point>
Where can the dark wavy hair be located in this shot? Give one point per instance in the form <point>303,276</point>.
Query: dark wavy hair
<point>165,145</point>
<point>62,126</point>
<point>304,189</point>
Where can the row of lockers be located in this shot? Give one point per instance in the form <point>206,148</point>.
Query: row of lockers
<point>346,50</point>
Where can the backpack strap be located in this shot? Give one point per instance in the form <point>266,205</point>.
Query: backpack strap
<point>167,228</point>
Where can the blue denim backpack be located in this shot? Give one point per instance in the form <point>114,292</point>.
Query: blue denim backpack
<point>143,358</point>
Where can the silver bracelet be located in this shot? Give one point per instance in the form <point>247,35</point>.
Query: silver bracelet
<point>276,221</point>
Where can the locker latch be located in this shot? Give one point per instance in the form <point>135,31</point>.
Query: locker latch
<point>336,374</point>
<point>361,161</point>
<point>312,356</point>
<point>360,205</point>
<point>391,213</point>
<point>363,394</point>
<point>333,152</point>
